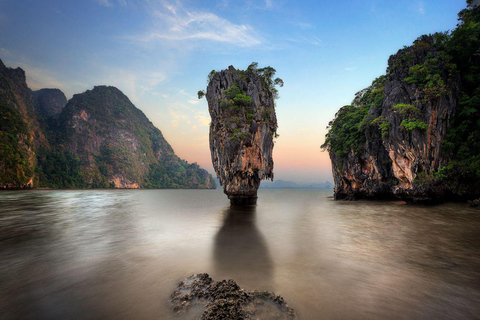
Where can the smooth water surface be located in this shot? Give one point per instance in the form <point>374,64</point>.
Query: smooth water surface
<point>120,253</point>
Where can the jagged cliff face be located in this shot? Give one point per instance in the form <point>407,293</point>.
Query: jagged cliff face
<point>20,133</point>
<point>119,147</point>
<point>403,119</point>
<point>49,102</point>
<point>98,140</point>
<point>241,132</point>
<point>364,176</point>
<point>104,130</point>
<point>417,151</point>
<point>359,162</point>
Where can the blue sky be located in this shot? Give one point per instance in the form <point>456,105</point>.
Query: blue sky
<point>160,52</point>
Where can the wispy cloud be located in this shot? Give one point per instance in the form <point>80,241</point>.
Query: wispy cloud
<point>172,22</point>
<point>421,7</point>
<point>305,26</point>
<point>203,120</point>
<point>105,3</point>
<point>135,83</point>
<point>223,3</point>
<point>249,4</point>
<point>314,41</point>
<point>187,117</point>
<point>151,80</point>
<point>176,117</point>
<point>37,77</point>
<point>5,52</point>
<point>121,78</point>
<point>110,3</point>
<point>183,93</point>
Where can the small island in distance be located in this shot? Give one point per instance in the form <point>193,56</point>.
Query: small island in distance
<point>285,184</point>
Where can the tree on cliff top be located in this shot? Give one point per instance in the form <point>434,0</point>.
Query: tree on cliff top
<point>267,74</point>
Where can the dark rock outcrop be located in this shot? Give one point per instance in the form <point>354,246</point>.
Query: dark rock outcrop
<point>417,151</point>
<point>414,134</point>
<point>99,139</point>
<point>400,151</point>
<point>363,173</point>
<point>242,108</point>
<point>198,295</point>
<point>20,133</point>
<point>474,203</point>
<point>49,102</point>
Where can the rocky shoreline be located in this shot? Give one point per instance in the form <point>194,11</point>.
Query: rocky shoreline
<point>199,296</point>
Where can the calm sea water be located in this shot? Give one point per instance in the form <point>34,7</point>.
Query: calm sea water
<point>119,254</point>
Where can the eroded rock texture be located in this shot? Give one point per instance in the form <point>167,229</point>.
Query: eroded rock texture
<point>98,139</point>
<point>241,132</point>
<point>119,147</point>
<point>201,297</point>
<point>20,132</point>
<point>49,102</point>
<point>395,144</point>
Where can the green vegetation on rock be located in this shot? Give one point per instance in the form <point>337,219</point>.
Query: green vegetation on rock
<point>438,78</point>
<point>15,168</point>
<point>462,143</point>
<point>383,124</point>
<point>346,132</point>
<point>237,106</point>
<point>98,140</point>
<point>114,141</point>
<point>410,115</point>
<point>410,125</point>
<point>59,170</point>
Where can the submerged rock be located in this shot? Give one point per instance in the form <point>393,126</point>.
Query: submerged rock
<point>244,124</point>
<point>211,300</point>
<point>474,203</point>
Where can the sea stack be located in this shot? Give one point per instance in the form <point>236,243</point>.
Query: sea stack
<point>244,124</point>
<point>392,141</point>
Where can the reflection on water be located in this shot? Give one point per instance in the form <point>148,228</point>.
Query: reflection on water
<point>104,254</point>
<point>240,252</point>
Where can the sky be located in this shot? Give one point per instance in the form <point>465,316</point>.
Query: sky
<point>159,54</point>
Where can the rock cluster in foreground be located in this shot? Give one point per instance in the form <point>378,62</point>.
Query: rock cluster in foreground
<point>242,108</point>
<point>224,299</point>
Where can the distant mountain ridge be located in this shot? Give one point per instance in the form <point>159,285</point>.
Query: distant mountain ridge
<point>283,184</point>
<point>98,139</point>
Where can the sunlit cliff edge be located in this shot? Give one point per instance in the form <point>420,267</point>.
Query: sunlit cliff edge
<point>414,134</point>
<point>244,124</point>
